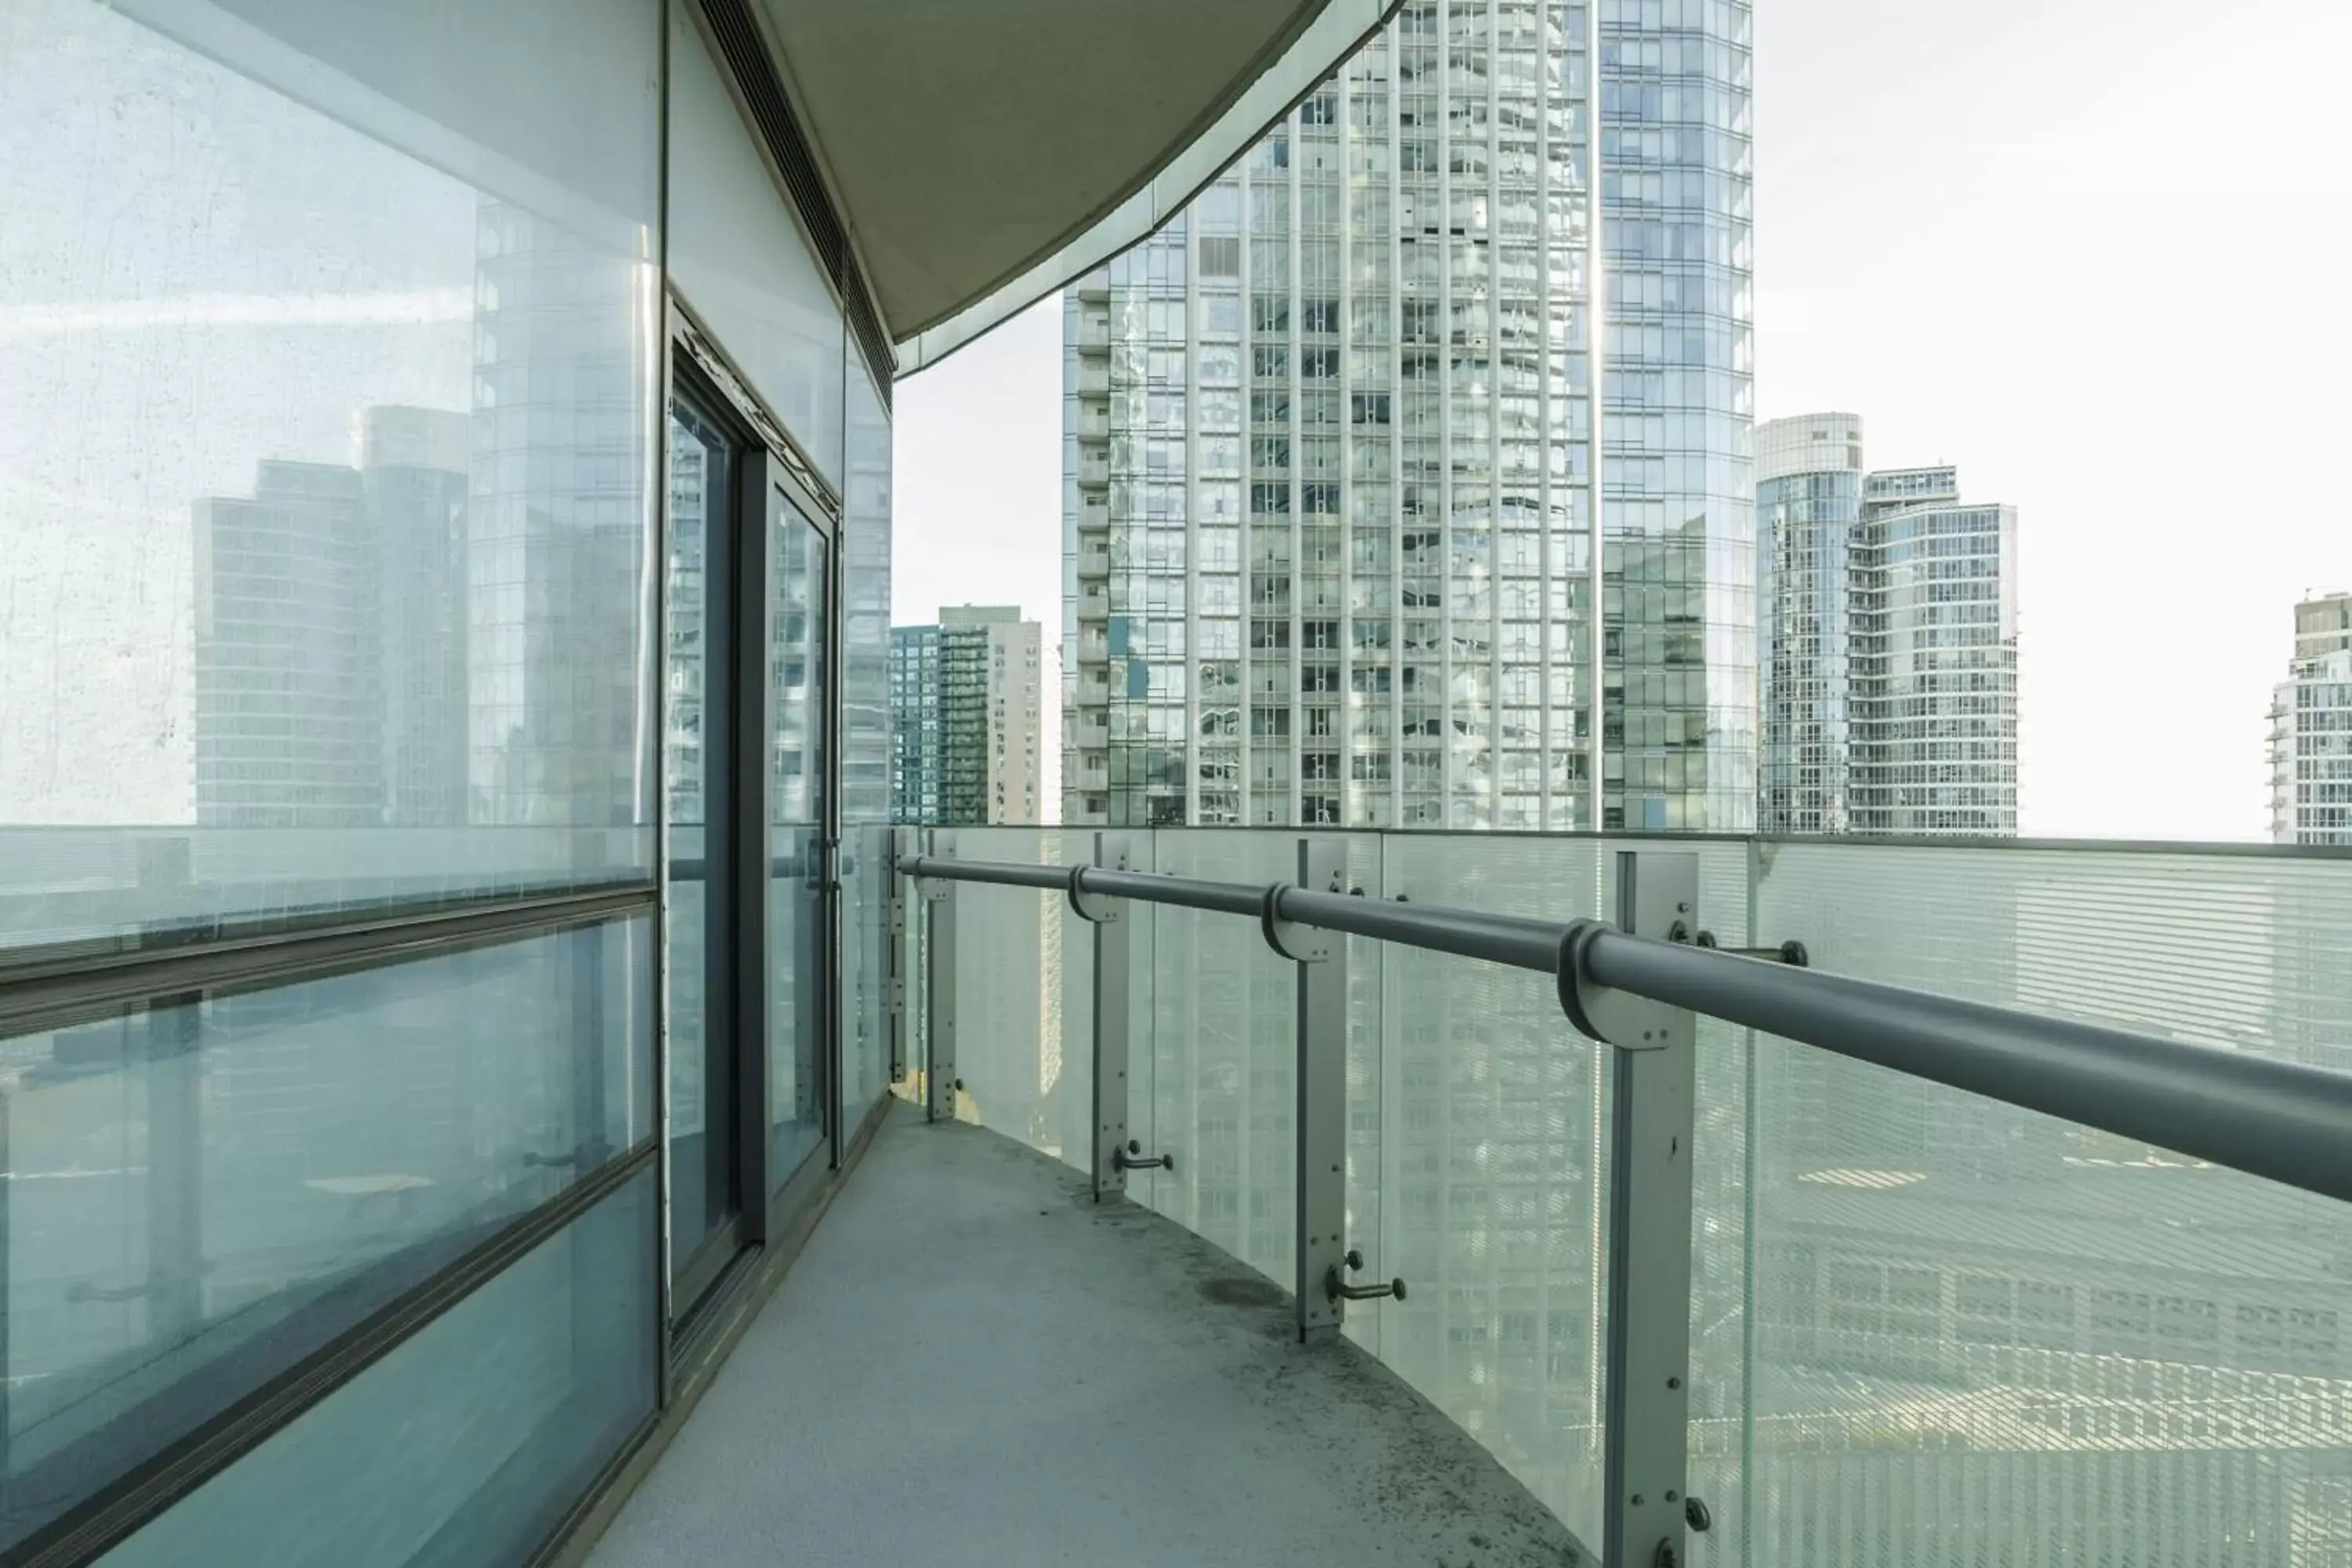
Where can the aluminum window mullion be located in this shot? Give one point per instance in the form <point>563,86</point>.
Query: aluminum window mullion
<point>75,986</point>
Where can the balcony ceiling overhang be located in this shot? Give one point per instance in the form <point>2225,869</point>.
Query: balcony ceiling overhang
<point>985,152</point>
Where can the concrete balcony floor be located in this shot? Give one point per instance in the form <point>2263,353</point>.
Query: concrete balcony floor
<point>970,1363</point>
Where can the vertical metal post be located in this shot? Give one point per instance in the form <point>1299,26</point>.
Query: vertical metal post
<point>1645,1439</point>
<point>901,891</point>
<point>1321,1076</point>
<point>939,1072</point>
<point>1113,962</point>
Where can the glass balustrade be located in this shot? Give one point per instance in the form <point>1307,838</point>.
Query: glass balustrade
<point>1927,1328</point>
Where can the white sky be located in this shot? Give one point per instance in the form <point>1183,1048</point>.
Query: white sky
<point>2093,251</point>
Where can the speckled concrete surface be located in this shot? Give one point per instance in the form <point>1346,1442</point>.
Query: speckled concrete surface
<point>971,1363</point>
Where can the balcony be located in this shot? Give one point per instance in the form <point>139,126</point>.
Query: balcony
<point>982,1335</point>
<point>1894,1266</point>
<point>444,969</point>
<point>1094,605</point>
<point>1094,333</point>
<point>1091,732</point>
<point>1093,566</point>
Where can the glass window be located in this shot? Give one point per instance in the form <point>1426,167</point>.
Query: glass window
<point>470,1442</point>
<point>199,1196</point>
<point>323,513</point>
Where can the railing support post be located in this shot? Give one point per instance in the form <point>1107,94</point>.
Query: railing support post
<point>902,845</point>
<point>940,1004</point>
<point>1113,958</point>
<point>1646,1436</point>
<point>1321,1073</point>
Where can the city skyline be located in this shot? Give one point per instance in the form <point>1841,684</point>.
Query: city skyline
<point>2031,363</point>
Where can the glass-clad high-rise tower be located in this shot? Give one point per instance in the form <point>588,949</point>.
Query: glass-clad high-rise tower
<point>1889,637</point>
<point>1360,488</point>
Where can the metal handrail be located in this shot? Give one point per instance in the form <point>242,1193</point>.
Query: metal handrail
<point>2288,1121</point>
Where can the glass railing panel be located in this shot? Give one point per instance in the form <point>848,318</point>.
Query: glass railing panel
<point>1986,1336</point>
<point>1493,1146</point>
<point>1009,995</point>
<point>1223,1048</point>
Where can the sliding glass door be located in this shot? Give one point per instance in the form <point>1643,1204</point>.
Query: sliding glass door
<point>748,719</point>
<point>699,749</point>
<point>800,872</point>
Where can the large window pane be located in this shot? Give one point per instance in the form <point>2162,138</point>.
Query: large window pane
<point>200,1194</point>
<point>467,1443</point>
<point>696,756</point>
<point>325,396</point>
<point>798,681</point>
<point>865,778</point>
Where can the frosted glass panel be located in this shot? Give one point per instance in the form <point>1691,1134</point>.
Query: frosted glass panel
<point>1223,1050</point>
<point>738,258</point>
<point>1009,998</point>
<point>1493,1119</point>
<point>326,392</point>
<point>1984,1336</point>
<point>864,754</point>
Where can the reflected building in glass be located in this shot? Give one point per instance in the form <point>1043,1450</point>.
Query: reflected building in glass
<point>1370,518</point>
<point>556,527</point>
<point>330,635</point>
<point>1889,641</point>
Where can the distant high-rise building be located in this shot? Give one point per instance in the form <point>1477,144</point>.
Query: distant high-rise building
<point>915,725</point>
<point>2311,728</point>
<point>967,736</point>
<point>1368,520</point>
<point>1808,513</point>
<point>1888,631</point>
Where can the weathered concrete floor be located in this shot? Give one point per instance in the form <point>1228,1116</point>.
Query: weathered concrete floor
<point>971,1363</point>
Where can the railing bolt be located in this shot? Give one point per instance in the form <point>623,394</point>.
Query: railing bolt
<point>1695,1514</point>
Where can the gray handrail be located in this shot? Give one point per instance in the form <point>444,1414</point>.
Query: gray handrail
<point>2288,1121</point>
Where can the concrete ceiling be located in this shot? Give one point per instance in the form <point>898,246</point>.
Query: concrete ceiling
<point>986,152</point>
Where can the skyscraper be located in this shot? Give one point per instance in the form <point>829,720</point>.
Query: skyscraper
<point>2311,728</point>
<point>1935,659</point>
<point>1333,441</point>
<point>1808,513</point>
<point>1889,631</point>
<point>967,737</point>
